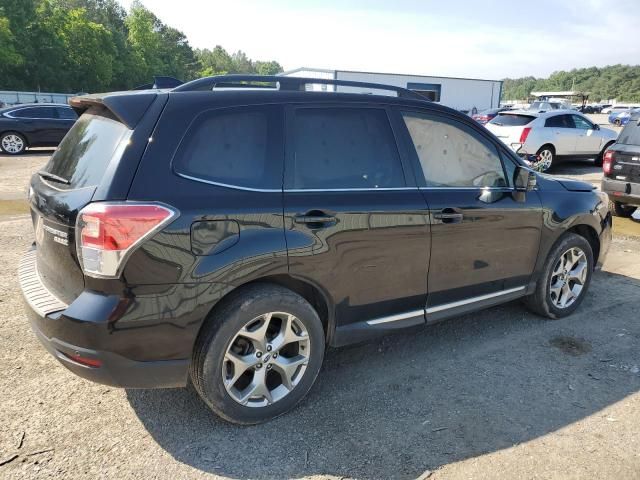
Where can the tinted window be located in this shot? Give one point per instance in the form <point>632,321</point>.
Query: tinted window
<point>344,148</point>
<point>66,113</point>
<point>452,155</point>
<point>240,147</point>
<point>630,134</point>
<point>35,112</point>
<point>559,121</point>
<point>512,120</point>
<point>86,151</point>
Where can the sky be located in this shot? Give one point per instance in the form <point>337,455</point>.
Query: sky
<point>465,38</point>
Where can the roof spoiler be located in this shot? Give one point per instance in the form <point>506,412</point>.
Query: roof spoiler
<point>128,107</point>
<point>160,82</point>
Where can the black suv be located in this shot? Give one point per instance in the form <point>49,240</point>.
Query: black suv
<point>621,166</point>
<point>228,230</point>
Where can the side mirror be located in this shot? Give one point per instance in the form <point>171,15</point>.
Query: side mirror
<point>524,179</point>
<point>596,126</point>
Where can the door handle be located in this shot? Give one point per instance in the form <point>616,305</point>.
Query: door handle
<point>315,219</point>
<point>449,215</point>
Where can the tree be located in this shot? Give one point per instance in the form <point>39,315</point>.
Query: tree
<point>268,68</point>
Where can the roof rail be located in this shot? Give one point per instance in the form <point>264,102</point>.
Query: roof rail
<point>285,83</point>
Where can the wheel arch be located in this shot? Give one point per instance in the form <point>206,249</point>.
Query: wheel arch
<point>548,144</point>
<point>591,235</point>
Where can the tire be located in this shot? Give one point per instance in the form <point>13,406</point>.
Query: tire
<point>620,210</point>
<point>544,301</point>
<point>222,347</point>
<point>600,158</point>
<point>12,143</point>
<point>617,122</point>
<point>546,156</point>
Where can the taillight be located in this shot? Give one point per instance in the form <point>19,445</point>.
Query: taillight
<point>525,133</point>
<point>107,233</point>
<point>607,161</point>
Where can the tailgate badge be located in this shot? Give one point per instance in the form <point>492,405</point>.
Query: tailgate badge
<point>58,235</point>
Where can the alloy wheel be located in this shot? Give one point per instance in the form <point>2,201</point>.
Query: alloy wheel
<point>544,160</point>
<point>568,277</point>
<point>266,359</point>
<point>12,143</point>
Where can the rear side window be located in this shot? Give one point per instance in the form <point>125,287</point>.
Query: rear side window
<point>452,155</point>
<point>630,134</point>
<point>240,147</point>
<point>508,120</point>
<point>86,151</point>
<point>350,148</point>
<point>65,113</point>
<point>35,112</point>
<point>559,121</point>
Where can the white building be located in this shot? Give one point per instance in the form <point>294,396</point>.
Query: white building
<point>458,93</point>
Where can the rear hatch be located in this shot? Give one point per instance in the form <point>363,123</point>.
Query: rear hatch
<point>508,127</point>
<point>64,186</point>
<point>625,161</point>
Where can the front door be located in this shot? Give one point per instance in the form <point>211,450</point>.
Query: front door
<point>588,142</point>
<point>356,224</point>
<point>485,237</point>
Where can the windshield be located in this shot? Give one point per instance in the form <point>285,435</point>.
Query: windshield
<point>86,151</point>
<point>511,120</point>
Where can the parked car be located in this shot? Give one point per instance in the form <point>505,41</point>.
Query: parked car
<point>615,108</point>
<point>621,118</point>
<point>545,106</point>
<point>228,235</point>
<point>34,125</point>
<point>543,138</point>
<point>486,115</point>
<point>621,169</point>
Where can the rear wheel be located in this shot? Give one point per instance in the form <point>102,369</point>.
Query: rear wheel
<point>565,278</point>
<point>620,210</point>
<point>259,354</point>
<point>544,158</point>
<point>13,143</point>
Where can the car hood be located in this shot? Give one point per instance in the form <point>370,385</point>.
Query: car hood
<point>575,185</point>
<point>608,133</point>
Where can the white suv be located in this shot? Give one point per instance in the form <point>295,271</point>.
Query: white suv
<point>542,137</point>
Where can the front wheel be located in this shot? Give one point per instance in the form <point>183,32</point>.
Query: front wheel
<point>620,210</point>
<point>565,279</point>
<point>259,354</point>
<point>13,143</point>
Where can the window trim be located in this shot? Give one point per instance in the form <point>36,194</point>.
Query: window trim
<point>290,111</point>
<point>470,129</point>
<point>278,108</point>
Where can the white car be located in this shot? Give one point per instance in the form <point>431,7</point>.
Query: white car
<point>544,137</point>
<point>615,108</point>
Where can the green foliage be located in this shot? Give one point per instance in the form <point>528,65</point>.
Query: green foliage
<point>621,82</point>
<point>95,45</point>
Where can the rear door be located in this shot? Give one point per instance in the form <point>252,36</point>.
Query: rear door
<point>563,133</point>
<point>484,241</point>
<point>39,123</point>
<point>356,225</point>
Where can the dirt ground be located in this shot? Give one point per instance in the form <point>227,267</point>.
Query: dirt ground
<point>497,394</point>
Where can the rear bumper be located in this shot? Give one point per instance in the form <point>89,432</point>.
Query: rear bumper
<point>94,336</point>
<point>115,370</point>
<point>627,193</point>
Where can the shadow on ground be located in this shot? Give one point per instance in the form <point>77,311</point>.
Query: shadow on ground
<point>413,402</point>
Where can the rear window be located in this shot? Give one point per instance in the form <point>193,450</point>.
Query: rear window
<point>630,134</point>
<point>241,147</point>
<point>86,151</point>
<point>510,120</point>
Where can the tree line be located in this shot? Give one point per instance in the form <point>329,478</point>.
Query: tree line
<point>95,45</point>
<point>621,82</point>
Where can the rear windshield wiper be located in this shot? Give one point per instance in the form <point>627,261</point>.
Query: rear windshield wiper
<point>51,176</point>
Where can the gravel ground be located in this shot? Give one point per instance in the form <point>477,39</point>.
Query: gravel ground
<point>497,394</point>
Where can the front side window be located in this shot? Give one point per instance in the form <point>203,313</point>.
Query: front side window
<point>451,155</point>
<point>238,147</point>
<point>581,123</point>
<point>343,148</point>
<point>66,113</point>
